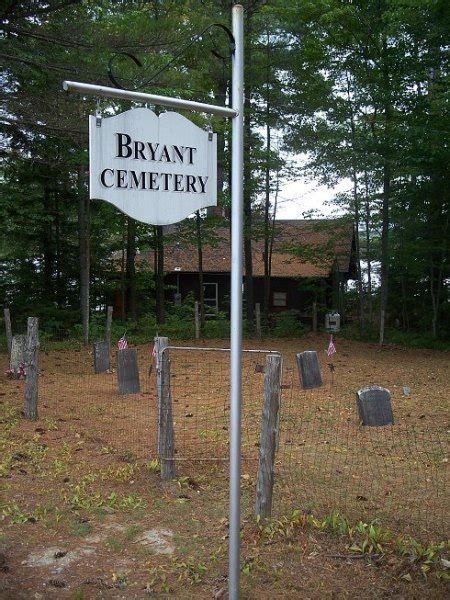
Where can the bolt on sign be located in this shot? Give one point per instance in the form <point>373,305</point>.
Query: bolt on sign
<point>156,169</point>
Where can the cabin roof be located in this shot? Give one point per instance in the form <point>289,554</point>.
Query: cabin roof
<point>301,248</point>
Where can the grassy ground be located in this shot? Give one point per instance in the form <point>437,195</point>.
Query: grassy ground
<point>85,514</point>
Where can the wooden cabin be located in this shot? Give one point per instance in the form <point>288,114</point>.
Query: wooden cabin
<point>310,259</point>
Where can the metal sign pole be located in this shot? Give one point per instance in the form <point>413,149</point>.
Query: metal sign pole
<point>237,214</point>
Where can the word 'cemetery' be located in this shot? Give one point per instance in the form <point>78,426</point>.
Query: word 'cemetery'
<point>153,180</point>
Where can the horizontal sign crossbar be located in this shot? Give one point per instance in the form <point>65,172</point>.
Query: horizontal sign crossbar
<point>108,92</point>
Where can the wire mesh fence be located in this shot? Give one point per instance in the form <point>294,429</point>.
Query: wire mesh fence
<point>326,460</point>
<point>91,405</point>
<point>199,388</point>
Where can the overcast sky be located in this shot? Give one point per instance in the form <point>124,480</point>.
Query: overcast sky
<point>299,196</point>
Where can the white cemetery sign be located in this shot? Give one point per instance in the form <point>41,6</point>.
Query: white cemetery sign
<point>156,169</point>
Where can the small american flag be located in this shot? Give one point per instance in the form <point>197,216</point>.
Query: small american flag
<point>122,343</point>
<point>331,347</point>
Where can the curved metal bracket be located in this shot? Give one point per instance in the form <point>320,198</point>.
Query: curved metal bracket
<point>194,38</point>
<point>110,72</point>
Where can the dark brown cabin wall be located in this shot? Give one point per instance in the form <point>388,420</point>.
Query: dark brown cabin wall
<point>296,299</point>
<point>188,282</point>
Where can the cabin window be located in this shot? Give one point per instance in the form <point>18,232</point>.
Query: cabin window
<point>279,299</point>
<point>211,299</point>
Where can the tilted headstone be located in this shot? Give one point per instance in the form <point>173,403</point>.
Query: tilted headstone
<point>309,370</point>
<point>127,371</point>
<point>101,357</point>
<point>374,406</point>
<point>17,360</point>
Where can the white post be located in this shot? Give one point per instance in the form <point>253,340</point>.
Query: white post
<point>237,212</point>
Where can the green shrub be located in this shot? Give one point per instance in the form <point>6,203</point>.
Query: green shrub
<point>411,339</point>
<point>218,327</point>
<point>179,323</point>
<point>178,329</point>
<point>288,324</point>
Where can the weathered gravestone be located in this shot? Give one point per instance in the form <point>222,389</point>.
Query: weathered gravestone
<point>309,370</point>
<point>127,371</point>
<point>101,357</point>
<point>374,406</point>
<point>17,360</point>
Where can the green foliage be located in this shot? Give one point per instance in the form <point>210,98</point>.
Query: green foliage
<point>157,581</point>
<point>113,544</point>
<point>80,528</point>
<point>18,516</point>
<point>82,497</point>
<point>217,327</point>
<point>179,323</point>
<point>288,324</point>
<point>154,466</point>
<point>396,336</point>
<point>132,532</point>
<point>366,538</point>
<point>417,340</point>
<point>191,570</point>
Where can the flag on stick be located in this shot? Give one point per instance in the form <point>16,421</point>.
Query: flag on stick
<point>122,343</point>
<point>331,347</point>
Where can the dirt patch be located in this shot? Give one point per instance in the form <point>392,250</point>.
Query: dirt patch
<point>158,540</point>
<point>56,558</point>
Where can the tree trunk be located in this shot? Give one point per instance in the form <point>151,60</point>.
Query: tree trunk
<point>221,99</point>
<point>123,282</point>
<point>368,251</point>
<point>159,249</point>
<point>48,248</point>
<point>84,253</point>
<point>384,249</point>
<point>356,210</point>
<point>60,292</point>
<point>131,269</point>
<point>266,286</point>
<point>267,232</point>
<point>386,195</point>
<point>198,222</point>
<point>436,282</point>
<point>249,299</point>
<point>405,320</point>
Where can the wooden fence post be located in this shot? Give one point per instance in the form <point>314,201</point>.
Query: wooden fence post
<point>258,319</point>
<point>268,438</point>
<point>8,328</point>
<point>109,315</point>
<point>166,437</point>
<point>197,320</point>
<point>31,369</point>
<point>314,317</point>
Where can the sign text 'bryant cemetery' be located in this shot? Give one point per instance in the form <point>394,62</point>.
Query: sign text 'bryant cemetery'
<point>155,169</point>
